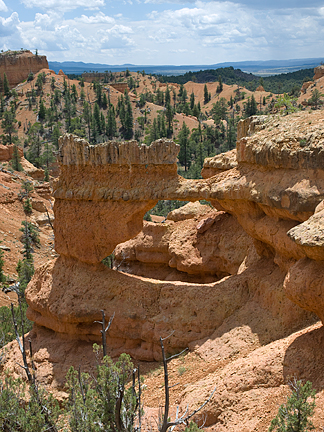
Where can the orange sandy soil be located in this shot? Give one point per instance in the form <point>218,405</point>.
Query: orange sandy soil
<point>11,217</point>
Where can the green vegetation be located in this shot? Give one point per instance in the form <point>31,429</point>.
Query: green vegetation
<point>282,83</point>
<point>104,402</point>
<point>294,416</point>
<point>31,410</point>
<point>15,161</point>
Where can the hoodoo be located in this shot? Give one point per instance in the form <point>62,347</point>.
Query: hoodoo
<point>244,307</point>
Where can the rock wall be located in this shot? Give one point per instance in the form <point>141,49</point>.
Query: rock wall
<point>263,249</point>
<point>103,193</point>
<point>18,64</point>
<point>194,244</point>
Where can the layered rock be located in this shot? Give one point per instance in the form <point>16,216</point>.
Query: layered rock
<point>18,64</point>
<point>318,72</point>
<point>266,200</point>
<point>195,244</point>
<point>104,191</point>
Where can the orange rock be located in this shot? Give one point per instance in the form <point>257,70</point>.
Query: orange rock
<point>319,72</point>
<point>18,64</point>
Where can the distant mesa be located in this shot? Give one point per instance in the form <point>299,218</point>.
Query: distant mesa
<point>18,64</point>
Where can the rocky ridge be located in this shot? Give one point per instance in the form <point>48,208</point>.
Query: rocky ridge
<point>18,64</point>
<point>243,328</point>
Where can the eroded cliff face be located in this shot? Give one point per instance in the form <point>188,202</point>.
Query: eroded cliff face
<point>260,250</point>
<point>104,191</point>
<point>18,64</point>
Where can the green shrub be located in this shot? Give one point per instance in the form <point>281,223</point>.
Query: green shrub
<point>294,415</point>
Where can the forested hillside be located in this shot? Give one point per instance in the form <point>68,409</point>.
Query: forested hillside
<point>283,83</point>
<point>201,115</point>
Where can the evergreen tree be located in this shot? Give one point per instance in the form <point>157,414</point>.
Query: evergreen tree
<point>74,93</point>
<point>294,415</point>
<point>167,96</point>
<point>206,95</point>
<point>96,117</point>
<point>15,161</point>
<point>53,84</point>
<point>169,118</point>
<point>87,115</point>
<point>46,175</point>
<point>2,105</point>
<point>35,147</point>
<point>42,111</point>
<point>6,87</point>
<point>220,85</point>
<point>104,101</point>
<point>2,276</point>
<point>128,119</point>
<point>56,135</point>
<point>111,127</point>
<point>8,125</point>
<point>192,101</point>
<point>184,157</point>
<point>154,131</point>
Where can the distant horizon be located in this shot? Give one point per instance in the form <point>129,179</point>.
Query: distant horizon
<point>259,68</point>
<point>193,64</point>
<point>164,32</point>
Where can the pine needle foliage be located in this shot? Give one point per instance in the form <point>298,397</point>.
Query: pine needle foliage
<point>104,403</point>
<point>294,416</point>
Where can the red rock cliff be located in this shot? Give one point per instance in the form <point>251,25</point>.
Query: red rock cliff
<point>18,64</point>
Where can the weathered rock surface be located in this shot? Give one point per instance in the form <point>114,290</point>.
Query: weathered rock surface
<point>66,296</point>
<point>202,246</point>
<point>18,64</point>
<point>268,198</point>
<point>318,72</point>
<point>6,152</point>
<point>104,191</point>
<point>217,164</point>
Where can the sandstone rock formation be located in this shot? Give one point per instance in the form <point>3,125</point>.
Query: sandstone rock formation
<point>265,238</point>
<point>6,152</point>
<point>86,192</point>
<point>318,72</point>
<point>195,244</point>
<point>217,164</point>
<point>18,64</point>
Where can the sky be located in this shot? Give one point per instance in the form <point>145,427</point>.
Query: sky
<point>164,32</point>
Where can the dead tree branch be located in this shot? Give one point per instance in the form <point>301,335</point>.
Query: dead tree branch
<point>165,424</point>
<point>105,330</point>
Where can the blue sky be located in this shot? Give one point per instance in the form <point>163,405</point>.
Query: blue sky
<point>164,31</point>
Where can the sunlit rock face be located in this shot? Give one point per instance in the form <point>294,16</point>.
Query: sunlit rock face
<point>18,64</point>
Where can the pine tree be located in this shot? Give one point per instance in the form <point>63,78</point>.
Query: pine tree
<point>15,161</point>
<point>294,415</point>
<point>111,127</point>
<point>42,111</point>
<point>206,95</point>
<point>2,276</point>
<point>220,85</point>
<point>6,87</point>
<point>192,101</point>
<point>8,125</point>
<point>56,135</point>
<point>184,146</point>
<point>87,115</point>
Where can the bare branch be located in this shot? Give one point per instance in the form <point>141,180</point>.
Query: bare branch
<point>177,355</point>
<point>167,337</point>
<point>174,385</point>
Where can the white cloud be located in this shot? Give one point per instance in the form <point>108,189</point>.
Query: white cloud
<point>3,7</point>
<point>63,5</point>
<point>95,19</point>
<point>47,21</point>
<point>116,37</point>
<point>8,26</point>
